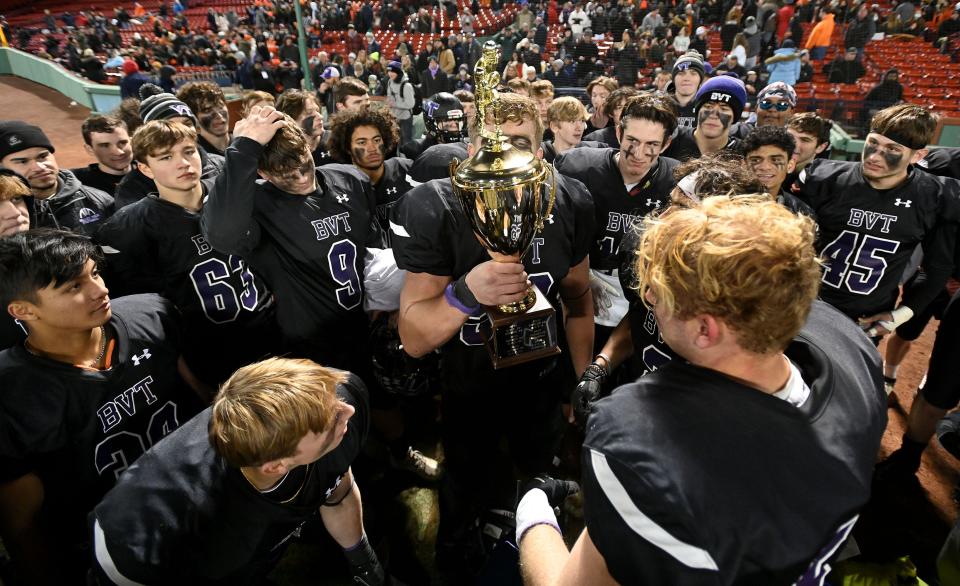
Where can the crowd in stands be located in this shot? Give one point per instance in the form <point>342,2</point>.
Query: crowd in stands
<point>569,44</point>
<point>247,304</point>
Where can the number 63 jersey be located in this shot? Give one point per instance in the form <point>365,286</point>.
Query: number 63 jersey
<point>78,429</point>
<point>867,236</point>
<point>155,246</point>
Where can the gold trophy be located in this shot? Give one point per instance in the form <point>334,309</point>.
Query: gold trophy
<point>506,195</point>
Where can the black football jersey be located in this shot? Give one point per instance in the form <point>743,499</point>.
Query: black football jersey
<point>434,163</point>
<point>944,162</point>
<point>550,153</point>
<point>616,210</point>
<point>785,483</point>
<point>393,184</point>
<point>12,332</point>
<point>228,318</point>
<point>78,429</point>
<point>684,147</point>
<point>93,176</point>
<point>322,154</point>
<point>432,235</point>
<point>607,136</point>
<point>216,528</point>
<point>309,248</point>
<point>866,236</point>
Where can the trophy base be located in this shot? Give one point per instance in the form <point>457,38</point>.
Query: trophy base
<point>515,337</point>
<point>529,300</point>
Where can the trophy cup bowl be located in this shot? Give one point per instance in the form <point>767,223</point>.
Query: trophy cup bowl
<point>506,194</point>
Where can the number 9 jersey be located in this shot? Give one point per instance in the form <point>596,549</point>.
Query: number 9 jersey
<point>867,235</point>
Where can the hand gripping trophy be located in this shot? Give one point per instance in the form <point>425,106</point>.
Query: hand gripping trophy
<point>506,195</point>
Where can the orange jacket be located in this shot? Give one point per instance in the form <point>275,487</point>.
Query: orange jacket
<point>821,33</point>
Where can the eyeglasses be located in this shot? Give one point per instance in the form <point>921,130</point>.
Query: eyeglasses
<point>780,106</point>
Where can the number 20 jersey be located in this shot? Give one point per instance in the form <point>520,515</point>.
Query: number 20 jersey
<point>79,428</point>
<point>867,236</point>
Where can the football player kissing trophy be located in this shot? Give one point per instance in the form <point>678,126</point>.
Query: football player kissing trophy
<point>506,195</point>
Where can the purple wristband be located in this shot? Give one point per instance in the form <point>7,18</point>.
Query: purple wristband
<point>451,298</point>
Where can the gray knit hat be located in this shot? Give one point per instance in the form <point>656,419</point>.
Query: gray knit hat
<point>161,105</point>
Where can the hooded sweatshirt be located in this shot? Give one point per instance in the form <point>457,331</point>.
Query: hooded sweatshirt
<point>403,101</point>
<point>74,207</point>
<point>784,66</point>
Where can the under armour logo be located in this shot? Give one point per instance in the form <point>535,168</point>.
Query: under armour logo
<point>391,191</point>
<point>903,202</point>
<point>343,198</point>
<point>145,356</point>
<point>334,487</point>
<point>653,202</point>
<point>324,154</point>
<point>549,218</point>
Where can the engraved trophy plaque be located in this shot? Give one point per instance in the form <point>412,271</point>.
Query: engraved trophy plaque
<point>506,194</point>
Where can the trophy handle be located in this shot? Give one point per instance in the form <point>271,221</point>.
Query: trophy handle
<point>552,198</point>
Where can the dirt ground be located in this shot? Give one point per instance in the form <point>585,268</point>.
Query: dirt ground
<point>916,522</point>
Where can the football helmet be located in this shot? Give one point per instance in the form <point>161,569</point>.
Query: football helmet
<point>444,119</point>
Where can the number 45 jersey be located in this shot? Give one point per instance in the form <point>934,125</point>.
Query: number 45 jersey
<point>155,246</point>
<point>867,236</point>
<point>78,429</point>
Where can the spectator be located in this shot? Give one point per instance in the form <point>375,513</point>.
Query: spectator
<point>860,29</point>
<point>400,95</point>
<point>652,21</point>
<point>687,75</point>
<point>626,58</point>
<point>784,16</point>
<point>949,26</point>
<point>784,65</point>
<point>739,49</point>
<point>775,104</point>
<point>132,81</point>
<point>92,67</point>
<point>524,18</point>
<point>289,51</point>
<point>447,61</point>
<point>579,21</point>
<point>753,39</point>
<point>433,80</point>
<point>733,66</point>
<point>354,41</point>
<point>166,82</point>
<point>681,42</point>
<point>886,93</point>
<point>819,39</point>
<point>806,68</point>
<point>699,41</point>
<point>846,68</point>
<point>558,76</point>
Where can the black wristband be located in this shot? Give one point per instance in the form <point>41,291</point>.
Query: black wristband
<point>463,293</point>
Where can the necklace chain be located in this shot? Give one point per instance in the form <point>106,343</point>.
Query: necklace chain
<point>96,361</point>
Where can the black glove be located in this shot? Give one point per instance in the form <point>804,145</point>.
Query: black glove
<point>364,565</point>
<point>556,490</point>
<point>588,390</point>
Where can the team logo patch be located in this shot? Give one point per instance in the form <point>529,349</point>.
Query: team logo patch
<point>903,202</point>
<point>88,216</point>
<point>344,198</point>
<point>391,191</point>
<point>136,358</point>
<point>14,140</point>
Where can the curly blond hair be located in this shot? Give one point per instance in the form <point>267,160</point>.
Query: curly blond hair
<point>744,260</point>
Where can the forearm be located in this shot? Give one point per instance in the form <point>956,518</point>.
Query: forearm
<point>543,555</point>
<point>579,330</point>
<point>344,521</point>
<point>619,345</point>
<point>925,287</point>
<point>428,324</point>
<point>227,214</point>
